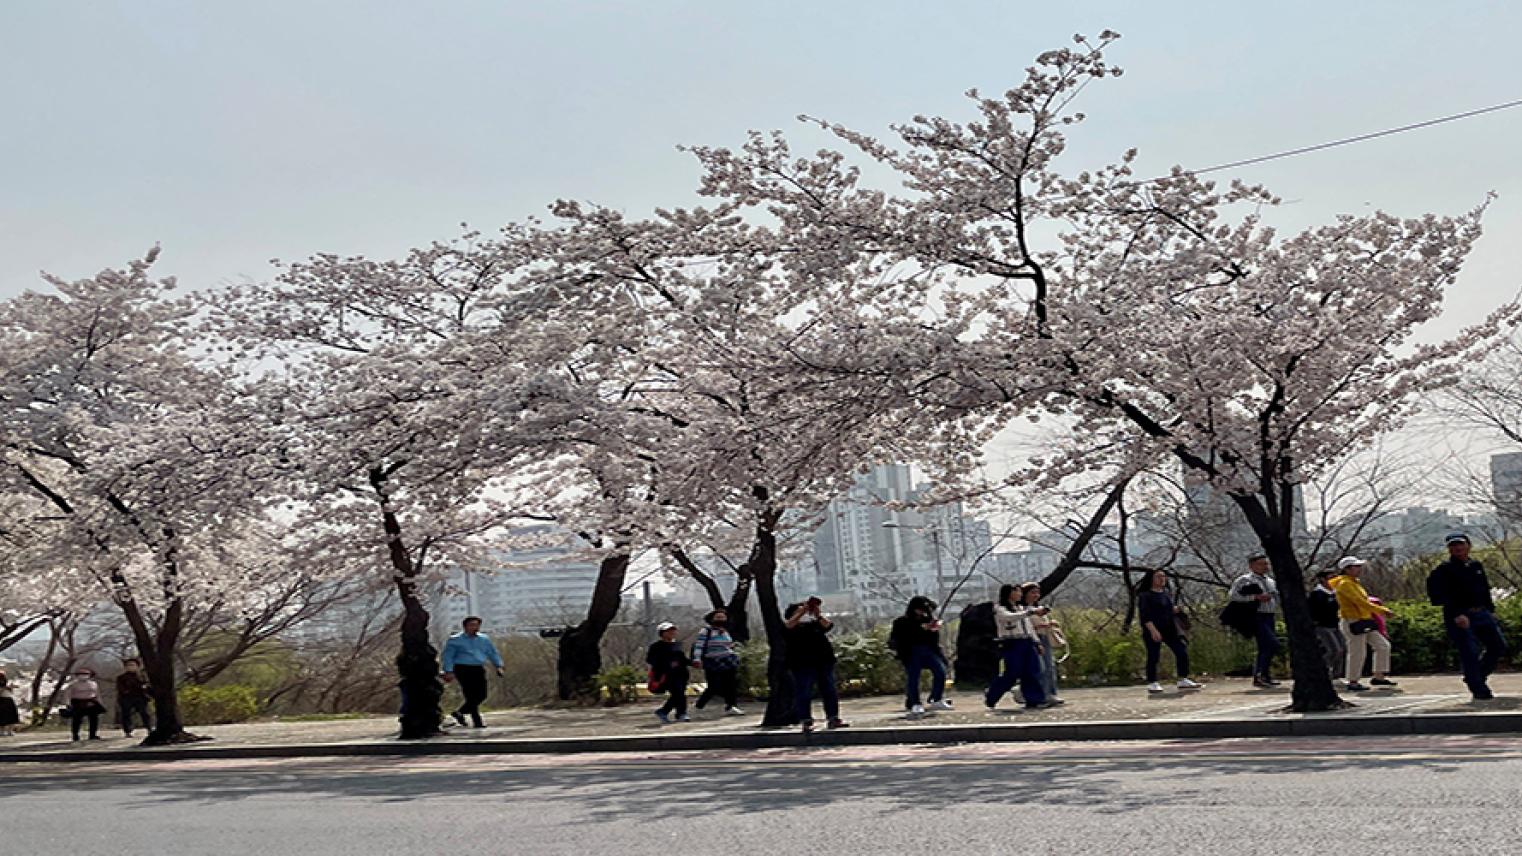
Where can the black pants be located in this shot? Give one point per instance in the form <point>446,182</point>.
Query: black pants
<point>473,686</point>
<point>127,707</point>
<point>676,685</point>
<point>724,683</point>
<point>1175,643</point>
<point>79,711</point>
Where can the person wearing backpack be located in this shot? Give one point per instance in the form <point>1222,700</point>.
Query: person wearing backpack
<point>668,672</point>
<point>714,652</point>
<point>1359,627</point>
<point>1460,587</point>
<point>916,640</point>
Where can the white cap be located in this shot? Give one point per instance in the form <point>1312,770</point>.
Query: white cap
<point>664,626</point>
<point>1348,562</point>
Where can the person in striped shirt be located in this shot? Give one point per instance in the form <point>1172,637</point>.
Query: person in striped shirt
<point>714,652</point>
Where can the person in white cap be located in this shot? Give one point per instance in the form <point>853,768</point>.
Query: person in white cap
<point>668,672</point>
<point>1359,627</point>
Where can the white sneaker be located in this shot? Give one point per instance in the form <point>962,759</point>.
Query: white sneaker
<point>943,704</point>
<point>1186,684</point>
<point>1154,687</point>
<point>917,710</point>
<point>734,711</point>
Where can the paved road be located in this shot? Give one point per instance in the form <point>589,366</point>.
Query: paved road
<point>1246,798</point>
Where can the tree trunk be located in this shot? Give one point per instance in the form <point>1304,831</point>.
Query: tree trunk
<point>1313,689</point>
<point>1073,558</point>
<point>762,566</point>
<point>157,651</point>
<point>579,657</point>
<point>736,608</point>
<point>418,666</point>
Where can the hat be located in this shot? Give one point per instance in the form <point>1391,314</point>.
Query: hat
<point>1348,562</point>
<point>664,626</point>
<point>1455,537</point>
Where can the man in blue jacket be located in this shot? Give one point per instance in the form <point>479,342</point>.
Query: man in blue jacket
<point>1460,587</point>
<point>465,657</point>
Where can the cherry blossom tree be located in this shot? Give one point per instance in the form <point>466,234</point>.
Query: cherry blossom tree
<point>134,452</point>
<point>1164,316</point>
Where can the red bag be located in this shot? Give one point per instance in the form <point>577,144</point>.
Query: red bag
<point>654,682</point>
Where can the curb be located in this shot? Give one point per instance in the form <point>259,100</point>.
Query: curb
<point>1200,729</point>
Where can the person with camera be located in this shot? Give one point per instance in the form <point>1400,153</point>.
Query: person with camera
<point>811,660</point>
<point>1359,627</point>
<point>465,657</point>
<point>915,638</point>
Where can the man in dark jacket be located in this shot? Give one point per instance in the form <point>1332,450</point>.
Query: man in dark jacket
<point>1460,587</point>
<point>916,640</point>
<point>132,696</point>
<point>1326,616</point>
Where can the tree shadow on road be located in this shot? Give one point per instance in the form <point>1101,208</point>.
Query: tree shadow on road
<point>709,784</point>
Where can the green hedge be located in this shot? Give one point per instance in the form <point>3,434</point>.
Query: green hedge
<point>217,705</point>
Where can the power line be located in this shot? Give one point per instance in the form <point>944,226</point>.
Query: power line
<point>1343,142</point>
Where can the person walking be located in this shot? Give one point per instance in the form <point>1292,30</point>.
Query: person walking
<point>465,657</point>
<point>83,698</point>
<point>1159,621</point>
<point>811,661</point>
<point>132,696</point>
<point>1326,615</point>
<point>714,652</point>
<point>1049,636</point>
<point>1019,650</point>
<point>1460,587</point>
<point>668,672</point>
<point>1359,628</point>
<point>916,639</point>
<point>10,715</point>
<point>1258,585</point>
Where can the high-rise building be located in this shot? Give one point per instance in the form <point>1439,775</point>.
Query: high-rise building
<point>1506,488</point>
<point>547,582</point>
<point>880,553</point>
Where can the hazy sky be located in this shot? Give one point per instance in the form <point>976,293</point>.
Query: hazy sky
<point>235,133</point>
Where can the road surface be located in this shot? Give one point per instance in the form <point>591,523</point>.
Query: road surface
<point>1247,798</point>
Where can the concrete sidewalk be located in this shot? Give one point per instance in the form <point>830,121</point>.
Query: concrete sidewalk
<point>1225,708</point>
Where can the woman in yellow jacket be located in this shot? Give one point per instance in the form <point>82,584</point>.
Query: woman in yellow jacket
<point>1359,627</point>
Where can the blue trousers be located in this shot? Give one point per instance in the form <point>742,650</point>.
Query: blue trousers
<point>923,657</point>
<point>804,681</point>
<point>1022,663</point>
<point>1483,631</point>
<point>1268,644</point>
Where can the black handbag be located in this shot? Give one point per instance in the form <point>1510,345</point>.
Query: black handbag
<point>1359,628</point>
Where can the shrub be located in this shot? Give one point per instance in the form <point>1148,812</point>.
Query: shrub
<point>865,665</point>
<point>1418,640</point>
<point>217,705</point>
<point>619,684</point>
